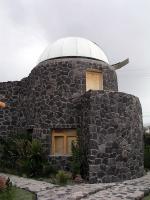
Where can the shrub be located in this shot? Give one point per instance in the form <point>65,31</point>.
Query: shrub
<point>48,170</point>
<point>23,156</point>
<point>75,162</point>
<point>146,140</point>
<point>12,149</point>
<point>7,153</point>
<point>147,157</point>
<point>147,151</point>
<point>33,165</point>
<point>62,177</point>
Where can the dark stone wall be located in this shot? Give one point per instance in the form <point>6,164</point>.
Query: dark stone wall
<point>13,118</point>
<point>46,98</point>
<point>54,84</point>
<point>9,93</point>
<point>111,136</point>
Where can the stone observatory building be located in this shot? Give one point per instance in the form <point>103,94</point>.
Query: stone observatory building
<point>73,91</point>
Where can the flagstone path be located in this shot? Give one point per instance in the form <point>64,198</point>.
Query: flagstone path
<point>132,189</point>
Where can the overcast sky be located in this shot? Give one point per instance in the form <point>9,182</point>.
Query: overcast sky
<point>120,27</point>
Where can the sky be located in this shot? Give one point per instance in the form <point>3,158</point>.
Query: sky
<point>120,27</point>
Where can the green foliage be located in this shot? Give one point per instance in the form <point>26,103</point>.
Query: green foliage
<point>62,177</point>
<point>12,148</point>
<point>7,194</point>
<point>14,193</point>
<point>79,164</point>
<point>33,164</point>
<point>147,197</point>
<point>76,156</point>
<point>48,170</point>
<point>5,189</point>
<point>23,156</point>
<point>147,157</point>
<point>146,140</point>
<point>147,151</point>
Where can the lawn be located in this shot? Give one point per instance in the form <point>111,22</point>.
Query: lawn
<point>16,194</point>
<point>147,197</point>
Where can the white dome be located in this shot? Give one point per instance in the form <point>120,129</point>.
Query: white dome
<point>73,46</point>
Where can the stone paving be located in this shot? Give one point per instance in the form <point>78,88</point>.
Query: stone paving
<point>132,189</point>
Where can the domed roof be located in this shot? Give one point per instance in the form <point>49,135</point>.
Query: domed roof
<point>73,46</point>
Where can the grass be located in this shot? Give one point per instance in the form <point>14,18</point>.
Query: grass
<point>16,194</point>
<point>147,197</point>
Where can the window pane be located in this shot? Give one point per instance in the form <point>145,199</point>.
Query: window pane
<point>59,145</point>
<point>61,141</point>
<point>94,81</point>
<point>70,139</point>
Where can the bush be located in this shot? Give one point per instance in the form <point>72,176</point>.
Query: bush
<point>147,151</point>
<point>12,149</point>
<point>48,170</point>
<point>33,164</point>
<point>146,140</point>
<point>147,157</point>
<point>23,156</point>
<point>7,153</point>
<point>79,164</point>
<point>62,177</point>
<point>75,162</point>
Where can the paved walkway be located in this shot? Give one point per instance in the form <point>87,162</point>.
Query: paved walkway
<point>132,189</point>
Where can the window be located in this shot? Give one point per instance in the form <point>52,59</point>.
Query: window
<point>94,80</point>
<point>62,141</point>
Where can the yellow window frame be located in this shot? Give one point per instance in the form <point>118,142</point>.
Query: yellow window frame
<point>65,134</point>
<point>98,86</point>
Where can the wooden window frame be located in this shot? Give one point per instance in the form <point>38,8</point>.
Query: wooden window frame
<point>65,135</point>
<point>100,80</point>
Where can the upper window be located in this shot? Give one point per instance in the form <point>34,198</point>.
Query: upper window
<point>94,80</point>
<point>62,141</point>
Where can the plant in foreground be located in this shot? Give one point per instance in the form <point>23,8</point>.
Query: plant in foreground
<point>62,177</point>
<point>75,162</point>
<point>24,157</point>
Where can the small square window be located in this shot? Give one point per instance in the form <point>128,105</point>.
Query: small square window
<point>62,141</point>
<point>94,80</point>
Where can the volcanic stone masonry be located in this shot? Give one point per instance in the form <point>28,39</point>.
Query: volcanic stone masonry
<point>113,139</point>
<point>54,96</point>
<point>44,100</point>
